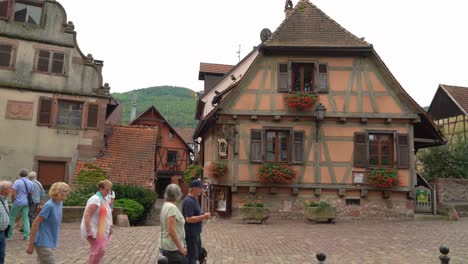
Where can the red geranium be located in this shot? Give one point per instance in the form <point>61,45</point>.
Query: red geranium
<point>300,101</point>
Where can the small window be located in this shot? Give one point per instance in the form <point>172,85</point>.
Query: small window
<point>171,136</point>
<point>27,13</point>
<point>51,62</point>
<point>381,152</point>
<point>69,114</point>
<point>6,55</point>
<point>4,7</point>
<point>172,157</point>
<point>353,202</point>
<point>303,77</point>
<point>277,146</point>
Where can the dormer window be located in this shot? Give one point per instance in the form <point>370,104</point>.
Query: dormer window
<point>28,12</point>
<point>307,77</point>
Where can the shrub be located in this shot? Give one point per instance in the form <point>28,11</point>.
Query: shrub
<point>79,194</point>
<point>252,204</point>
<point>217,169</point>
<point>276,173</point>
<point>93,174</point>
<point>143,196</point>
<point>448,161</point>
<point>191,173</point>
<point>383,178</point>
<point>132,208</point>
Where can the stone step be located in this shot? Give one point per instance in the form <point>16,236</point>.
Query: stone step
<point>430,217</point>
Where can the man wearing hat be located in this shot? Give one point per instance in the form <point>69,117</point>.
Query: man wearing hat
<point>193,222</point>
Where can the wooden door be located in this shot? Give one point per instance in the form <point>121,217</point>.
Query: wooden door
<point>50,172</point>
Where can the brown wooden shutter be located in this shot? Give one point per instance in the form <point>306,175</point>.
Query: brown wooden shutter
<point>4,8</point>
<point>283,76</point>
<point>256,145</point>
<point>361,154</point>
<point>298,147</point>
<point>93,111</point>
<point>44,116</point>
<point>403,152</point>
<point>322,78</point>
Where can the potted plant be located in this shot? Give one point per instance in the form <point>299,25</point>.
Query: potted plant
<point>383,178</point>
<point>319,211</point>
<point>191,173</point>
<point>276,173</point>
<point>217,169</point>
<point>300,101</point>
<point>254,210</point>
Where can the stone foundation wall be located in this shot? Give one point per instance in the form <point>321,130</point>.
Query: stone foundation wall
<point>451,193</point>
<point>373,205</point>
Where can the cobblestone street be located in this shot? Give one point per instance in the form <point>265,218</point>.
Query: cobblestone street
<point>230,241</point>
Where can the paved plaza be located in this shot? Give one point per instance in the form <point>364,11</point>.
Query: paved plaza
<point>279,241</point>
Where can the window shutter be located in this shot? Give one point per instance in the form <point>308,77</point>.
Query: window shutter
<point>361,154</point>
<point>298,147</point>
<point>283,78</point>
<point>4,7</point>
<point>403,157</point>
<point>256,145</point>
<point>322,78</point>
<point>93,111</point>
<point>45,111</point>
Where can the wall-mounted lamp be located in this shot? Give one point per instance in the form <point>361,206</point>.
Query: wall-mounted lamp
<point>320,116</point>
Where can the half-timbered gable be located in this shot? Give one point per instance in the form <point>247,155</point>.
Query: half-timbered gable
<point>370,122</point>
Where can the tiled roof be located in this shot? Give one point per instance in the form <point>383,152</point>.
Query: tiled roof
<point>214,68</point>
<point>186,133</point>
<point>129,157</point>
<point>308,26</point>
<point>459,95</point>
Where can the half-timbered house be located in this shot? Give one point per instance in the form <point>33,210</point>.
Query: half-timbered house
<point>363,120</point>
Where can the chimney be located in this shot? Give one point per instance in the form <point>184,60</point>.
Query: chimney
<point>133,110</point>
<point>288,8</point>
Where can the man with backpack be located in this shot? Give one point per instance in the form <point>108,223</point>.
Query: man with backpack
<point>22,188</point>
<point>37,194</point>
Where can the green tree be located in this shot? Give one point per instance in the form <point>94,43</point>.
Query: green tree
<point>448,161</point>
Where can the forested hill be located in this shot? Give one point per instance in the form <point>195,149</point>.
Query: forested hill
<point>177,104</point>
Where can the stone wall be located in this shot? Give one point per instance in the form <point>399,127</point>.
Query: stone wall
<point>372,204</point>
<point>451,193</point>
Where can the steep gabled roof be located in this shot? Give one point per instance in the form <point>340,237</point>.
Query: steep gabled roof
<point>161,119</point>
<point>308,26</point>
<point>213,68</point>
<point>186,133</point>
<point>459,95</point>
<point>129,155</point>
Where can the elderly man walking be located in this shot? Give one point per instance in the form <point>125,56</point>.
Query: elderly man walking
<point>5,188</point>
<point>37,194</point>
<point>193,222</point>
<point>19,196</point>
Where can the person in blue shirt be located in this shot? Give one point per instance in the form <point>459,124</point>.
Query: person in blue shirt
<point>193,222</point>
<point>46,227</point>
<point>37,194</point>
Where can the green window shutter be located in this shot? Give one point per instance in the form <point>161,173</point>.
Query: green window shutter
<point>403,153</point>
<point>256,145</point>
<point>298,147</point>
<point>322,78</point>
<point>361,150</point>
<point>283,76</point>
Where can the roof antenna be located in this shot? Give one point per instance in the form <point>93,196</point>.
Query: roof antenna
<point>239,52</point>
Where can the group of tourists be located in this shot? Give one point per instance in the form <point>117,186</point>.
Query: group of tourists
<point>42,221</point>
<point>181,231</point>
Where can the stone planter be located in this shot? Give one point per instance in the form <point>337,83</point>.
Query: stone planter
<point>320,214</point>
<point>254,213</point>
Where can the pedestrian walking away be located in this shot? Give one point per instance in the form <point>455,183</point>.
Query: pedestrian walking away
<point>37,194</point>
<point>193,223</point>
<point>5,188</point>
<point>19,196</point>
<point>96,225</point>
<point>46,227</point>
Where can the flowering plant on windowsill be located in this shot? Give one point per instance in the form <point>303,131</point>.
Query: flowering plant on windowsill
<point>217,169</point>
<point>276,173</point>
<point>383,178</point>
<point>300,101</point>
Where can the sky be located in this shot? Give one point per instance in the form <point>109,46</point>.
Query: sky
<point>148,43</point>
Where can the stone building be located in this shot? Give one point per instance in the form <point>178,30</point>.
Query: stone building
<point>53,102</point>
<point>363,120</point>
